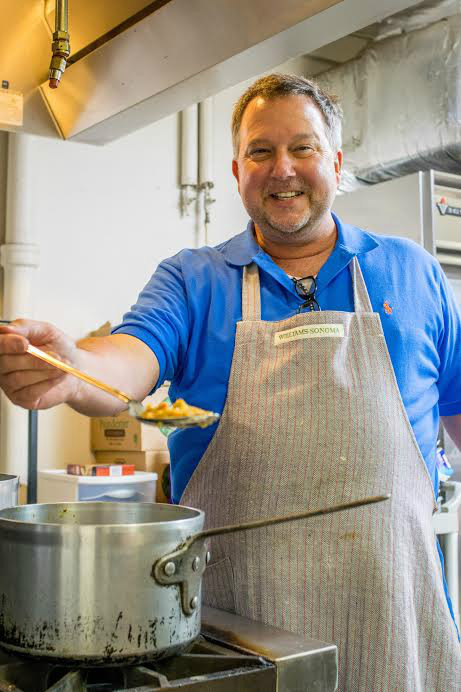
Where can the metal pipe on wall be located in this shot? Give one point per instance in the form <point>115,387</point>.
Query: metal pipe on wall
<point>19,257</point>
<point>61,16</point>
<point>205,138</point>
<point>189,158</point>
<point>205,159</point>
<point>32,457</point>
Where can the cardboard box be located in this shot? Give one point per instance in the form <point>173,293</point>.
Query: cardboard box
<point>151,461</point>
<point>22,494</point>
<point>123,432</point>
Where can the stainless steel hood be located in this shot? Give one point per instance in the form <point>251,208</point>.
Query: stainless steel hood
<point>182,51</point>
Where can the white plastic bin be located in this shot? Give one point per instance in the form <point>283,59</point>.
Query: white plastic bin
<point>58,486</point>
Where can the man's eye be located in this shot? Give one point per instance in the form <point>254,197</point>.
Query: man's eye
<point>259,152</point>
<point>304,148</point>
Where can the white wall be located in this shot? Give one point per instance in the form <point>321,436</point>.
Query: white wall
<point>3,173</point>
<point>104,223</point>
<point>105,217</point>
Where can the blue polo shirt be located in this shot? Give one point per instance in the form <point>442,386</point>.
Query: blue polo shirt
<point>188,311</point>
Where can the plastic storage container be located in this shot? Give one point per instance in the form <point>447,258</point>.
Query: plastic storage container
<point>59,486</point>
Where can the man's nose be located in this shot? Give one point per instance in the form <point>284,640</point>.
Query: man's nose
<point>283,165</point>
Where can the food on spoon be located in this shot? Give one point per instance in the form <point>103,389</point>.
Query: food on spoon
<point>177,410</point>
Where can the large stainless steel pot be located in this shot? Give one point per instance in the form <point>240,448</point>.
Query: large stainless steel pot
<point>100,583</point>
<point>9,486</point>
<point>76,584</point>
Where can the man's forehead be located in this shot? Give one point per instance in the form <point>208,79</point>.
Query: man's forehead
<point>302,115</point>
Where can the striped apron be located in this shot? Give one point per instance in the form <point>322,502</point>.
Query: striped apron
<point>314,417</point>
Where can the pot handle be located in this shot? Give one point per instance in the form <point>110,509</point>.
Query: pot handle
<point>186,565</point>
<point>260,523</point>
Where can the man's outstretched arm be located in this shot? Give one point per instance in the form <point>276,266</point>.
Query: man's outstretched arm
<point>120,360</point>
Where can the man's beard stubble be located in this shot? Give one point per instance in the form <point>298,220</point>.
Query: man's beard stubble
<point>302,229</point>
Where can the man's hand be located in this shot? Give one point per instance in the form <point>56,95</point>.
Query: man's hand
<point>28,381</point>
<point>120,360</point>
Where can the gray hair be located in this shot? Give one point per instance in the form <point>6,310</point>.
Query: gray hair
<point>278,85</point>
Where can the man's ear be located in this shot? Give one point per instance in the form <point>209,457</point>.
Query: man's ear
<point>338,163</point>
<point>235,172</point>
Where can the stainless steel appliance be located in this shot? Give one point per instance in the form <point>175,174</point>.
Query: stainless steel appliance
<point>424,206</point>
<point>232,653</point>
<point>9,488</point>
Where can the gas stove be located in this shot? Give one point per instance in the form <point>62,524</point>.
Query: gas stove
<point>232,654</point>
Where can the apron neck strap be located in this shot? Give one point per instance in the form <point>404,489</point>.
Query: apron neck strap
<point>362,301</point>
<point>251,292</point>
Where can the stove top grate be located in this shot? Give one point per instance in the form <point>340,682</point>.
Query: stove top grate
<point>209,667</point>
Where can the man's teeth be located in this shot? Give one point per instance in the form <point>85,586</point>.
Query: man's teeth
<point>285,195</point>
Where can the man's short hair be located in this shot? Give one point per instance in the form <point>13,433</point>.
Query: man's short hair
<point>278,85</point>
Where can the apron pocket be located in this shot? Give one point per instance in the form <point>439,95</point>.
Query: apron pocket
<point>218,585</point>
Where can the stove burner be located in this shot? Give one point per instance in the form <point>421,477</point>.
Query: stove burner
<point>98,680</point>
<point>232,654</point>
<point>207,664</point>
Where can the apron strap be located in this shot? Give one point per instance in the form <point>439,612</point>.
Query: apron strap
<point>251,294</point>
<point>362,301</point>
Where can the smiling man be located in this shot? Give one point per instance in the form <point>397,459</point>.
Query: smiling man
<point>288,181</point>
<point>331,353</point>
<point>287,170</point>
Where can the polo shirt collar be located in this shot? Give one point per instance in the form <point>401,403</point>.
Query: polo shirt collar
<point>351,242</point>
<point>243,248</point>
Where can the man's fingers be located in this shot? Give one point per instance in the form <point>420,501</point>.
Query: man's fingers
<point>39,396</point>
<point>15,363</point>
<point>27,380</point>
<point>16,381</point>
<point>33,331</point>
<point>12,343</point>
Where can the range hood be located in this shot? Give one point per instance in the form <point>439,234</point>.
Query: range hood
<point>177,52</point>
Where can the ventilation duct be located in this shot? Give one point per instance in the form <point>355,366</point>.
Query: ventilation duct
<point>413,18</point>
<point>402,103</point>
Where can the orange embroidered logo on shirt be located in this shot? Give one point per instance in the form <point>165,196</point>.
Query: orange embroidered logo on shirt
<point>387,307</point>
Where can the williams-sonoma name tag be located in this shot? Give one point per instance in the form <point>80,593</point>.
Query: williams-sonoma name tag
<point>313,331</point>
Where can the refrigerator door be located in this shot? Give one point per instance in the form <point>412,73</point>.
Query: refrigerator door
<point>447,219</point>
<point>391,208</point>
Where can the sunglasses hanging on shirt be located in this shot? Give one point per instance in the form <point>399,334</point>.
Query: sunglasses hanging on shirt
<point>307,294</point>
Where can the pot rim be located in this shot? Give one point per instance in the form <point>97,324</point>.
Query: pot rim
<point>179,522</point>
<point>5,477</point>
